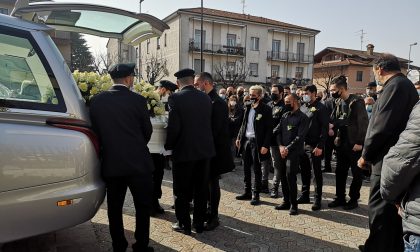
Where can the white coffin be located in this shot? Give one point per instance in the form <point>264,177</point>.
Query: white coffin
<point>158,138</point>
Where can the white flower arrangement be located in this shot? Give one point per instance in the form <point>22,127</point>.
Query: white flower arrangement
<point>91,83</point>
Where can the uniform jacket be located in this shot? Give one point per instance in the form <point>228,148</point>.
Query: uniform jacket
<point>389,118</point>
<point>357,119</point>
<point>318,119</point>
<point>277,112</point>
<point>291,131</point>
<point>223,161</point>
<point>122,122</point>
<point>189,131</point>
<point>400,180</point>
<point>263,127</point>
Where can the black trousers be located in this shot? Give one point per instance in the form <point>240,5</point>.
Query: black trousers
<point>288,178</point>
<point>308,162</point>
<point>159,162</point>
<point>385,225</point>
<point>141,188</point>
<point>214,198</point>
<point>347,158</point>
<point>251,158</point>
<point>191,183</point>
<point>328,151</point>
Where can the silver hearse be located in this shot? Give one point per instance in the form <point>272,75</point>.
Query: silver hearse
<point>49,165</point>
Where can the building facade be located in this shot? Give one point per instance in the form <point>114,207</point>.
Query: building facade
<point>356,65</point>
<point>236,47</point>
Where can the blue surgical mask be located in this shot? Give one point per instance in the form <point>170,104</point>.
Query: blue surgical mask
<point>222,96</point>
<point>418,92</point>
<point>369,108</point>
<point>379,83</point>
<point>306,99</point>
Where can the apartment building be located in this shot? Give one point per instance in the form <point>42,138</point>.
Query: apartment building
<point>269,51</point>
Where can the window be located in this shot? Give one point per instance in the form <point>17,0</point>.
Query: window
<point>255,44</point>
<point>165,40</point>
<point>276,49</point>
<point>231,41</point>
<point>299,73</point>
<point>158,43</point>
<point>300,51</point>
<point>197,38</point>
<point>275,71</point>
<point>26,79</point>
<point>253,68</point>
<point>197,65</point>
<point>147,46</point>
<point>359,76</point>
<point>4,11</point>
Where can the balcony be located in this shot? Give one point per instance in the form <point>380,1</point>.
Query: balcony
<point>290,57</point>
<point>217,49</point>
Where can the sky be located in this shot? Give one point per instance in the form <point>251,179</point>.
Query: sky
<point>391,26</point>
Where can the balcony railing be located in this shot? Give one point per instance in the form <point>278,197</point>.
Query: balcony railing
<point>291,57</point>
<point>217,49</point>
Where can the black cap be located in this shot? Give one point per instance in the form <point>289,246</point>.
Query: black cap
<point>168,85</point>
<point>121,70</point>
<point>187,72</point>
<point>371,84</point>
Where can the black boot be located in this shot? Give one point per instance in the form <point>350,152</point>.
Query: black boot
<point>255,199</point>
<point>274,193</point>
<point>293,210</point>
<point>246,196</point>
<point>317,205</point>
<point>283,206</point>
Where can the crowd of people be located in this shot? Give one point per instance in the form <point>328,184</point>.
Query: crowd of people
<point>286,129</point>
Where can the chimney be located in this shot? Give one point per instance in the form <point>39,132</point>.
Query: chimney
<point>370,49</point>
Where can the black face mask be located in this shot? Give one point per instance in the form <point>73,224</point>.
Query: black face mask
<point>336,95</point>
<point>274,97</point>
<point>240,93</point>
<point>288,107</point>
<point>254,99</point>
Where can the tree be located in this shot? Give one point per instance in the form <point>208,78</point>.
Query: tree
<point>231,73</point>
<point>81,57</point>
<point>102,61</point>
<point>155,68</point>
<point>324,75</point>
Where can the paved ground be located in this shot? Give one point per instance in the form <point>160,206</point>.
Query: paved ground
<point>243,227</point>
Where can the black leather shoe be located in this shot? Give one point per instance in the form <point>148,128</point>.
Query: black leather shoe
<point>303,199</point>
<point>198,228</point>
<point>283,206</point>
<point>351,204</point>
<point>212,224</point>
<point>317,205</point>
<point>177,227</point>
<point>293,210</point>
<point>361,248</point>
<point>148,249</point>
<point>245,196</point>
<point>255,199</point>
<point>274,194</point>
<point>336,203</point>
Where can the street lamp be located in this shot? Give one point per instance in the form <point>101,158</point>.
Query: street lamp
<point>409,57</point>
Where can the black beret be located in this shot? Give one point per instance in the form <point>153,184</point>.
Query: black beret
<point>121,70</point>
<point>168,85</point>
<point>187,72</point>
<point>371,84</point>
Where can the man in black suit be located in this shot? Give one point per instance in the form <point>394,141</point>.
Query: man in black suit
<point>389,118</point>
<point>190,138</point>
<point>121,120</point>
<point>254,141</point>
<point>223,161</point>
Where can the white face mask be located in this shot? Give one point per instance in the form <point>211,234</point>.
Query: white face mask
<point>222,96</point>
<point>232,103</point>
<point>306,98</point>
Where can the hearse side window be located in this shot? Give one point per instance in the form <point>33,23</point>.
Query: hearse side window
<point>26,80</point>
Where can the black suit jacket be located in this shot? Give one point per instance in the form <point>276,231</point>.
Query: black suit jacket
<point>122,122</point>
<point>389,118</point>
<point>223,161</point>
<point>189,132</point>
<point>263,128</point>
